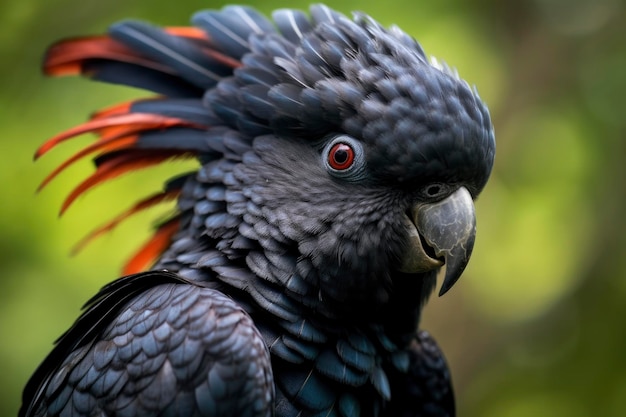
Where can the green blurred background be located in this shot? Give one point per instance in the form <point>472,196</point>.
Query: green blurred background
<point>536,325</point>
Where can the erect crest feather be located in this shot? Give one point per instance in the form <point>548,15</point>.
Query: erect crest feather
<point>136,134</point>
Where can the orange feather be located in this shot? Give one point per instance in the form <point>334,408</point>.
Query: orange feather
<point>115,125</point>
<point>153,248</point>
<point>115,110</point>
<point>66,57</point>
<point>114,143</point>
<point>187,32</point>
<point>139,206</point>
<point>130,160</point>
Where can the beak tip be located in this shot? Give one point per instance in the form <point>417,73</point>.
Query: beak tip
<point>455,266</point>
<point>443,290</point>
<point>448,283</point>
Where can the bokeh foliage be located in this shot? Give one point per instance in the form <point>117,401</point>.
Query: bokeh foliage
<point>536,325</point>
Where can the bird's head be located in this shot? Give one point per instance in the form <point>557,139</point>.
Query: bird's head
<point>372,159</point>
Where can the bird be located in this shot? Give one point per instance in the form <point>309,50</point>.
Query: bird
<point>337,168</point>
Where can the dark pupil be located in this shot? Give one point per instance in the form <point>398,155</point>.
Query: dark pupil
<point>341,156</point>
<point>434,190</point>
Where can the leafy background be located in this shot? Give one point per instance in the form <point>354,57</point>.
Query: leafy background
<point>536,325</point>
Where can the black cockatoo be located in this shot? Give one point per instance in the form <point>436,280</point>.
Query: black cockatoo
<point>337,171</point>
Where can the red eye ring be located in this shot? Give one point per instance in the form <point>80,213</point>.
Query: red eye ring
<point>341,156</point>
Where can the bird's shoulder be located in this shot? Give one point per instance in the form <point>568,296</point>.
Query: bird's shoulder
<point>154,342</point>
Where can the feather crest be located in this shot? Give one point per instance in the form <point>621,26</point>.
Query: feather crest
<point>113,165</point>
<point>69,56</point>
<point>115,125</point>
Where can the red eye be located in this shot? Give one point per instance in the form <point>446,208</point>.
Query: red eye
<point>341,156</point>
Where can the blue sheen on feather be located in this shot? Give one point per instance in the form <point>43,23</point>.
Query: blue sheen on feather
<point>216,193</point>
<point>335,35</point>
<point>253,127</point>
<point>113,380</point>
<point>308,351</point>
<point>280,349</point>
<point>82,402</point>
<point>349,405</point>
<point>310,72</point>
<point>321,13</point>
<point>278,47</point>
<point>141,77</point>
<point>233,197</point>
<point>286,100</point>
<point>401,360</point>
<point>308,389</point>
<point>259,59</point>
<point>87,378</point>
<point>254,97</point>
<point>282,261</point>
<point>204,399</point>
<point>274,301</point>
<point>311,48</point>
<point>381,383</point>
<point>205,207</point>
<point>292,24</point>
<point>360,343</point>
<point>243,243</point>
<point>305,331</point>
<point>186,297</point>
<point>155,363</point>
<point>193,140</point>
<point>235,145</point>
<point>359,36</point>
<point>230,29</point>
<point>330,365</point>
<point>163,332</point>
<point>220,220</point>
<point>356,359</point>
<point>104,352</point>
<point>181,54</point>
<point>228,113</point>
<point>298,285</point>
<point>189,257</point>
<point>256,76</point>
<point>151,300</point>
<point>212,259</point>
<point>191,110</point>
<point>79,371</point>
<point>60,401</point>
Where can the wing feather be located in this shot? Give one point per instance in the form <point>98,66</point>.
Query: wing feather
<point>114,360</point>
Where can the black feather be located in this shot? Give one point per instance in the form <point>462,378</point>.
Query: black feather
<point>292,24</point>
<point>231,28</point>
<point>182,55</point>
<point>137,76</point>
<point>190,110</point>
<point>98,311</point>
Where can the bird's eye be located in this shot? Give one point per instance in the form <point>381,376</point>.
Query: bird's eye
<point>435,191</point>
<point>344,158</point>
<point>341,156</point>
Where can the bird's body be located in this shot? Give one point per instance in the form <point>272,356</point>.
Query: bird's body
<point>338,168</point>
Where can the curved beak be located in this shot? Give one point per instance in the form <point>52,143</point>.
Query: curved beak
<point>442,232</point>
